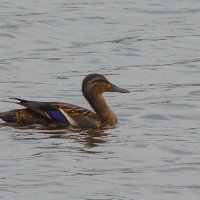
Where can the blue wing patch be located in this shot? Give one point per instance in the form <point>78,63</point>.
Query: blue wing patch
<point>58,116</point>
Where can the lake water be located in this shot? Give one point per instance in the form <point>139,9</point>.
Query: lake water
<point>150,47</point>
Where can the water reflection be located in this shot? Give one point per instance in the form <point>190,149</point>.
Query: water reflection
<point>89,138</point>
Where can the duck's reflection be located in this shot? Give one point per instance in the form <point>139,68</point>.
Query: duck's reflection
<point>89,138</point>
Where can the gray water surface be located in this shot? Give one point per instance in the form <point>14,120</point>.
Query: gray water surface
<point>150,47</point>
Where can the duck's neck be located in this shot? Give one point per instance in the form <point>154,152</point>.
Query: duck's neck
<point>98,103</point>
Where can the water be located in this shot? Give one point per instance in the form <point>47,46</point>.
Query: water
<point>149,47</point>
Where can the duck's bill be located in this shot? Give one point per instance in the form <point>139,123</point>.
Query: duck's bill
<point>115,88</point>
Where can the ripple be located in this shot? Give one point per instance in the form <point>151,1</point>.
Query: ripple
<point>151,48</point>
<point>155,117</point>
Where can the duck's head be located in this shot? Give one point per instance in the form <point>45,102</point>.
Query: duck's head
<point>98,83</point>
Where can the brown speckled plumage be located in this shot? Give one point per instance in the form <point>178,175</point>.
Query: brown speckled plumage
<point>63,113</point>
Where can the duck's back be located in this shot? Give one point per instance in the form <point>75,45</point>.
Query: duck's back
<point>52,112</point>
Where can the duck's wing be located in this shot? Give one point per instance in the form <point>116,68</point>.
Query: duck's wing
<point>63,112</point>
<point>78,116</point>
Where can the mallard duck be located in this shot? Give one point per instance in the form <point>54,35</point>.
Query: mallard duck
<point>93,86</point>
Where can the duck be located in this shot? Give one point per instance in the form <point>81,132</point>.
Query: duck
<point>93,87</point>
